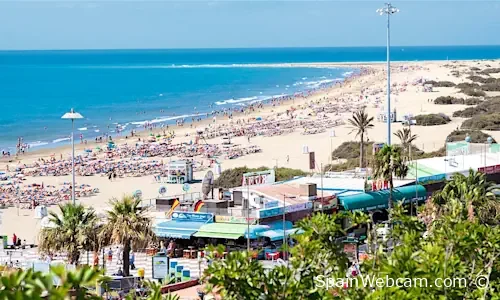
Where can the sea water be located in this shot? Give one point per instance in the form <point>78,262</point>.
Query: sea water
<point>126,88</point>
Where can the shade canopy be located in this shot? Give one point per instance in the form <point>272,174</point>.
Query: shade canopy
<point>72,115</point>
<point>177,229</point>
<point>379,199</point>
<point>276,231</point>
<point>229,230</point>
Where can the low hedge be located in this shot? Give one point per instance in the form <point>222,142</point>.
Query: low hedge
<point>473,92</point>
<point>483,121</point>
<point>476,136</point>
<point>481,79</point>
<point>485,107</point>
<point>432,119</point>
<point>489,71</point>
<point>231,178</point>
<point>491,87</point>
<point>448,100</point>
<point>440,83</point>
<point>348,150</point>
<point>472,101</point>
<point>468,85</point>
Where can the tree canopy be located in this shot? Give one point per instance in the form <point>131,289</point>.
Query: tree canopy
<point>436,255</point>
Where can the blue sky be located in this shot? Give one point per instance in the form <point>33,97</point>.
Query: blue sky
<point>73,24</point>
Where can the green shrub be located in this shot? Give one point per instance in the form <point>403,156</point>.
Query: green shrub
<point>483,121</point>
<point>432,119</point>
<point>489,71</point>
<point>349,164</point>
<point>440,83</point>
<point>438,153</point>
<point>476,136</point>
<point>485,107</point>
<point>231,178</point>
<point>448,100</point>
<point>473,92</point>
<point>481,79</point>
<point>491,87</point>
<point>350,149</point>
<point>472,101</point>
<point>475,69</point>
<point>467,85</point>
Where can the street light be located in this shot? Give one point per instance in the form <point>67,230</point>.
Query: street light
<point>72,115</point>
<point>389,10</point>
<point>285,245</point>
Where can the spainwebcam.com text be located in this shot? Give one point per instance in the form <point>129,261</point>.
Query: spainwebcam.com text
<point>381,282</point>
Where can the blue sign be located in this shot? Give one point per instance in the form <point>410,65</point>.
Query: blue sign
<point>192,217</point>
<point>186,187</point>
<point>431,179</point>
<point>271,204</point>
<point>271,212</point>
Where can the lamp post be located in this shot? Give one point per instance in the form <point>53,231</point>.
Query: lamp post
<point>388,10</point>
<point>72,115</point>
<point>248,219</point>
<point>332,135</point>
<point>285,245</point>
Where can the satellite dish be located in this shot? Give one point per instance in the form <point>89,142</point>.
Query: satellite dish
<point>207,185</point>
<point>162,190</point>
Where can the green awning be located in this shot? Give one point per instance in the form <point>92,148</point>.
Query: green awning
<point>379,199</point>
<point>228,230</point>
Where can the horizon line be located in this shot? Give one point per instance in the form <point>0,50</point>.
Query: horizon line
<point>239,48</point>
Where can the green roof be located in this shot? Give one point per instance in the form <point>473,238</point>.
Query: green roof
<point>379,199</point>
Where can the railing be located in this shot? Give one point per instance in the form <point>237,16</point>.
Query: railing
<point>230,212</point>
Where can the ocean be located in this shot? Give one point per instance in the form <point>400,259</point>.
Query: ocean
<point>126,88</point>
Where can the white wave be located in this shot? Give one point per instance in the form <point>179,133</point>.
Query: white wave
<point>202,66</point>
<point>97,130</point>
<point>61,140</point>
<point>163,119</point>
<point>316,84</point>
<point>347,74</point>
<point>82,128</point>
<point>233,101</point>
<point>37,144</point>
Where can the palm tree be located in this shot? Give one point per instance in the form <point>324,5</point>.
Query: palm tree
<point>406,138</point>
<point>474,193</point>
<point>389,163</point>
<point>127,224</point>
<point>71,231</point>
<point>361,122</point>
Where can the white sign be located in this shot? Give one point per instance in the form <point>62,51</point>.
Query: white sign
<point>257,178</point>
<point>160,267</point>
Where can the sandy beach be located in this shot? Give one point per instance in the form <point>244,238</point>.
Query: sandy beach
<point>285,149</point>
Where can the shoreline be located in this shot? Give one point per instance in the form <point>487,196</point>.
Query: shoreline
<point>49,143</point>
<point>48,146</point>
<point>282,150</point>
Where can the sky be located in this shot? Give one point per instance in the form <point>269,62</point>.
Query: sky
<point>127,24</point>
